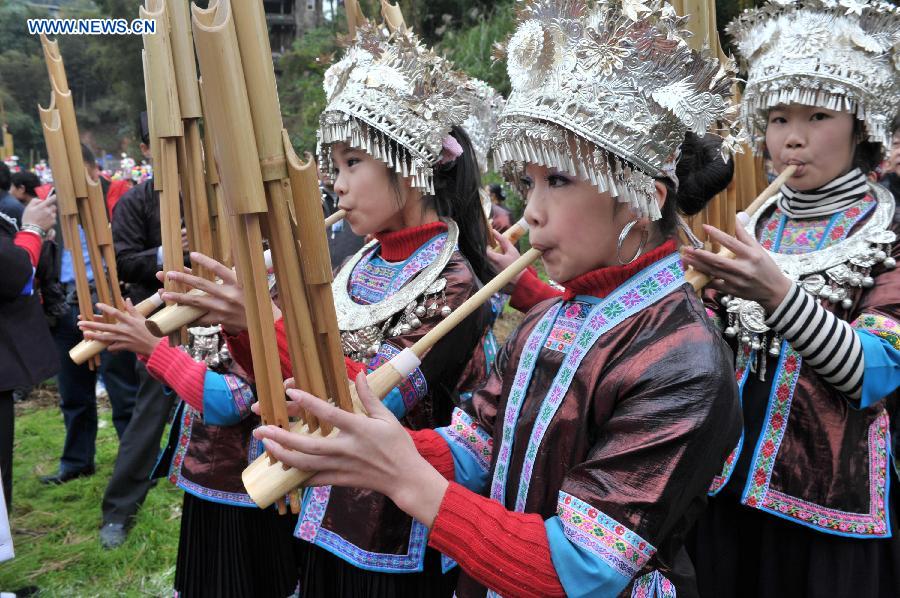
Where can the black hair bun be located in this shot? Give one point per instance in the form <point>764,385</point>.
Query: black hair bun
<point>702,173</point>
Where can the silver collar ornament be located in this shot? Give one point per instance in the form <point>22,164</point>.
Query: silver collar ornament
<point>842,55</point>
<point>606,90</point>
<point>364,326</point>
<point>396,99</point>
<point>833,274</point>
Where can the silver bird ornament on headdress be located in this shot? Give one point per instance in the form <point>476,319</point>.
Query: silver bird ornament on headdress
<point>606,90</point>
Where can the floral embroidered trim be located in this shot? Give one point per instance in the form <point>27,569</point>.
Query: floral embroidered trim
<point>567,326</point>
<point>784,235</point>
<point>653,585</point>
<point>869,524</point>
<point>524,370</point>
<point>880,326</point>
<point>413,388</point>
<point>613,543</point>
<point>741,373</point>
<point>309,528</point>
<point>241,393</point>
<point>786,377</point>
<point>466,433</point>
<point>641,291</point>
<point>372,282</point>
<point>184,439</point>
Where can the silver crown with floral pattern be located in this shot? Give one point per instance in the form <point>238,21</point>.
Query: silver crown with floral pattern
<point>841,55</point>
<point>606,90</point>
<point>481,126</point>
<point>396,99</point>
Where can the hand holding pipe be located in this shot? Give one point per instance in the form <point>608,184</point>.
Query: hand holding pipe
<point>267,482</point>
<point>699,280</point>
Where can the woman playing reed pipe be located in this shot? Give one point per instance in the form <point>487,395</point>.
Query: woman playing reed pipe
<point>810,303</point>
<point>586,457</point>
<point>227,546</point>
<point>405,172</point>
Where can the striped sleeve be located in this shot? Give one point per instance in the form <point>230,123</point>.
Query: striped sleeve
<point>828,344</point>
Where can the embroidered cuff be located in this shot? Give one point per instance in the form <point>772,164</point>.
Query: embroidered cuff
<point>471,448</point>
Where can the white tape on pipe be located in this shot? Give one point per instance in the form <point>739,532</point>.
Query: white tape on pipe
<point>405,362</point>
<point>155,299</point>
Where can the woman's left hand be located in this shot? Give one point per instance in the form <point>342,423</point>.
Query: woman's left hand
<point>371,451</point>
<point>751,274</point>
<point>126,332</point>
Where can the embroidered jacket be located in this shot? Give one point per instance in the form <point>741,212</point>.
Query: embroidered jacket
<point>808,453</point>
<point>604,419</point>
<point>210,441</point>
<point>362,527</point>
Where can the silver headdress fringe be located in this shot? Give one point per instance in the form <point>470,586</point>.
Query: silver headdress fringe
<point>842,55</point>
<point>395,99</point>
<point>606,90</point>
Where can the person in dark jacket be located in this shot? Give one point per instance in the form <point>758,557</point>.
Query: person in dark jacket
<point>24,335</point>
<point>136,236</point>
<point>9,205</point>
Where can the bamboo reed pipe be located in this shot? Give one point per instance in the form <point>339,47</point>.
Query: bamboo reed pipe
<point>86,349</point>
<point>516,231</point>
<point>699,280</point>
<point>267,482</point>
<point>335,218</point>
<point>393,16</point>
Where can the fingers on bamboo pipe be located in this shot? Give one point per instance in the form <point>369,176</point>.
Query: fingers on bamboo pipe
<point>266,482</point>
<point>86,349</point>
<point>699,280</point>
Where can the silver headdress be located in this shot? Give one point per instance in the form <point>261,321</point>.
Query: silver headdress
<point>606,90</point>
<point>484,117</point>
<point>837,54</point>
<point>396,99</point>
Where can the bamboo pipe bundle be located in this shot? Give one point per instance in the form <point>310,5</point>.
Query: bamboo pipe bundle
<point>266,482</point>
<point>81,199</point>
<point>355,17</point>
<point>699,280</point>
<point>392,15</point>
<point>174,317</point>
<point>166,127</point>
<point>195,201</point>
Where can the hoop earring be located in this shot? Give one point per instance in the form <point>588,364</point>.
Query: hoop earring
<point>623,235</point>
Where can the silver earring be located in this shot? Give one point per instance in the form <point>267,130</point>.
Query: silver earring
<point>623,235</point>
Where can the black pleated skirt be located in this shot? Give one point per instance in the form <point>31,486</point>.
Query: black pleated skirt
<point>235,552</point>
<point>744,553</point>
<point>323,575</point>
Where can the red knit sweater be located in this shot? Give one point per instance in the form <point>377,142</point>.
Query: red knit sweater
<point>504,550</point>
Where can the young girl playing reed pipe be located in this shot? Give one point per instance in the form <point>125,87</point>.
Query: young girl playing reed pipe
<point>803,505</point>
<point>585,459</point>
<point>405,172</point>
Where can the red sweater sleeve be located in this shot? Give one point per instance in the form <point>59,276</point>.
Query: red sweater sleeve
<point>239,346</point>
<point>531,290</point>
<point>435,450</point>
<point>506,551</point>
<point>30,242</point>
<point>177,370</point>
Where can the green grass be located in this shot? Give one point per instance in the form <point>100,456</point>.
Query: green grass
<point>55,528</point>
